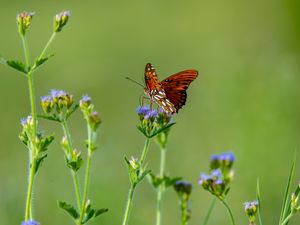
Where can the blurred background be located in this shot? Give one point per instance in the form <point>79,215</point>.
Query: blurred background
<point>246,99</point>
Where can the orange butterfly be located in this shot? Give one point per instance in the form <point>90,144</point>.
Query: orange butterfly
<point>169,94</point>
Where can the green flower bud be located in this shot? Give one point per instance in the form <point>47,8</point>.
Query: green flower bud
<point>60,20</point>
<point>85,102</point>
<point>94,120</point>
<point>134,163</point>
<point>24,20</point>
<point>251,209</point>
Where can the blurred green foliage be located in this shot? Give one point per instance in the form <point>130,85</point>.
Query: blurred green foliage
<point>245,99</point>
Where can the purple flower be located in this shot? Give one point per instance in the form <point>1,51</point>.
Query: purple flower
<point>183,187</point>
<point>204,178</point>
<point>143,110</point>
<point>216,173</point>
<point>30,222</point>
<point>57,93</point>
<point>151,114</point>
<point>250,205</point>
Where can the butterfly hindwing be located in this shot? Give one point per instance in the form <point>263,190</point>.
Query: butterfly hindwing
<point>175,87</point>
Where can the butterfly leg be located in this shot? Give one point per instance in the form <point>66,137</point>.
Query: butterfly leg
<point>142,97</point>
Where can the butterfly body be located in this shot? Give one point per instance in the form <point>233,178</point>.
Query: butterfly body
<point>169,94</point>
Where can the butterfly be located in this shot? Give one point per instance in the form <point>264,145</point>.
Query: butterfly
<point>169,94</point>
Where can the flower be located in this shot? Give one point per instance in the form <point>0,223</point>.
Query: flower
<point>85,102</point>
<point>251,209</point>
<point>94,120</point>
<point>60,20</point>
<point>183,187</point>
<point>24,20</point>
<point>224,160</point>
<point>61,99</point>
<point>30,222</point>
<point>47,103</point>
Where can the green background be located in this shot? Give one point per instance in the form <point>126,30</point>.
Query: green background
<point>246,99</point>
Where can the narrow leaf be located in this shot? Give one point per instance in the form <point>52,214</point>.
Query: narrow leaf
<point>98,212</point>
<point>259,202</point>
<point>40,61</point>
<point>39,161</point>
<point>69,209</point>
<point>71,110</point>
<point>285,205</point>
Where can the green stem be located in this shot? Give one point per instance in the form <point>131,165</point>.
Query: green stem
<point>286,220</point>
<point>161,187</point>
<point>229,210</point>
<point>87,176</point>
<point>47,45</point>
<point>133,186</point>
<point>33,151</point>
<point>144,152</point>
<point>210,209</point>
<point>128,205</point>
<point>74,174</point>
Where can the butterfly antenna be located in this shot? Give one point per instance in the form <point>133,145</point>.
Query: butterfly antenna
<point>128,78</point>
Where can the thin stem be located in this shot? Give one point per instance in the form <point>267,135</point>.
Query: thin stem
<point>144,152</point>
<point>229,210</point>
<point>26,51</point>
<point>87,175</point>
<point>285,221</point>
<point>210,209</point>
<point>128,205</point>
<point>133,186</point>
<point>161,187</point>
<point>74,174</point>
<point>47,45</point>
<point>33,151</point>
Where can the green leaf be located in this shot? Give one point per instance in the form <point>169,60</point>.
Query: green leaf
<point>17,65</point>
<point>98,212</point>
<point>285,205</point>
<point>40,61</point>
<point>74,163</point>
<point>69,209</point>
<point>45,142</point>
<point>39,161</point>
<point>142,176</point>
<point>162,129</point>
<point>71,110</point>
<point>171,181</point>
<point>259,202</point>
<point>92,213</point>
<point>143,131</point>
<point>53,117</point>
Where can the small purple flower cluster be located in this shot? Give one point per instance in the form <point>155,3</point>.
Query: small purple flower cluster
<point>221,174</point>
<point>251,209</point>
<point>57,98</point>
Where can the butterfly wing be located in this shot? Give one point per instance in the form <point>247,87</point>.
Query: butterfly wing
<point>155,91</point>
<point>175,87</point>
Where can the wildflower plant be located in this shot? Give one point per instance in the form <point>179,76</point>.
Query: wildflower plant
<point>184,190</point>
<point>218,180</point>
<point>59,106</point>
<point>36,142</point>
<point>152,124</point>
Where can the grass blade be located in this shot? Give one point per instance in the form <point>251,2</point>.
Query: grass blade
<point>285,205</point>
<point>259,202</point>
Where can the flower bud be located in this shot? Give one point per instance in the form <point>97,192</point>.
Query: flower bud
<point>94,120</point>
<point>251,209</point>
<point>47,103</point>
<point>24,20</point>
<point>60,20</point>
<point>183,187</point>
<point>134,163</point>
<point>85,102</point>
